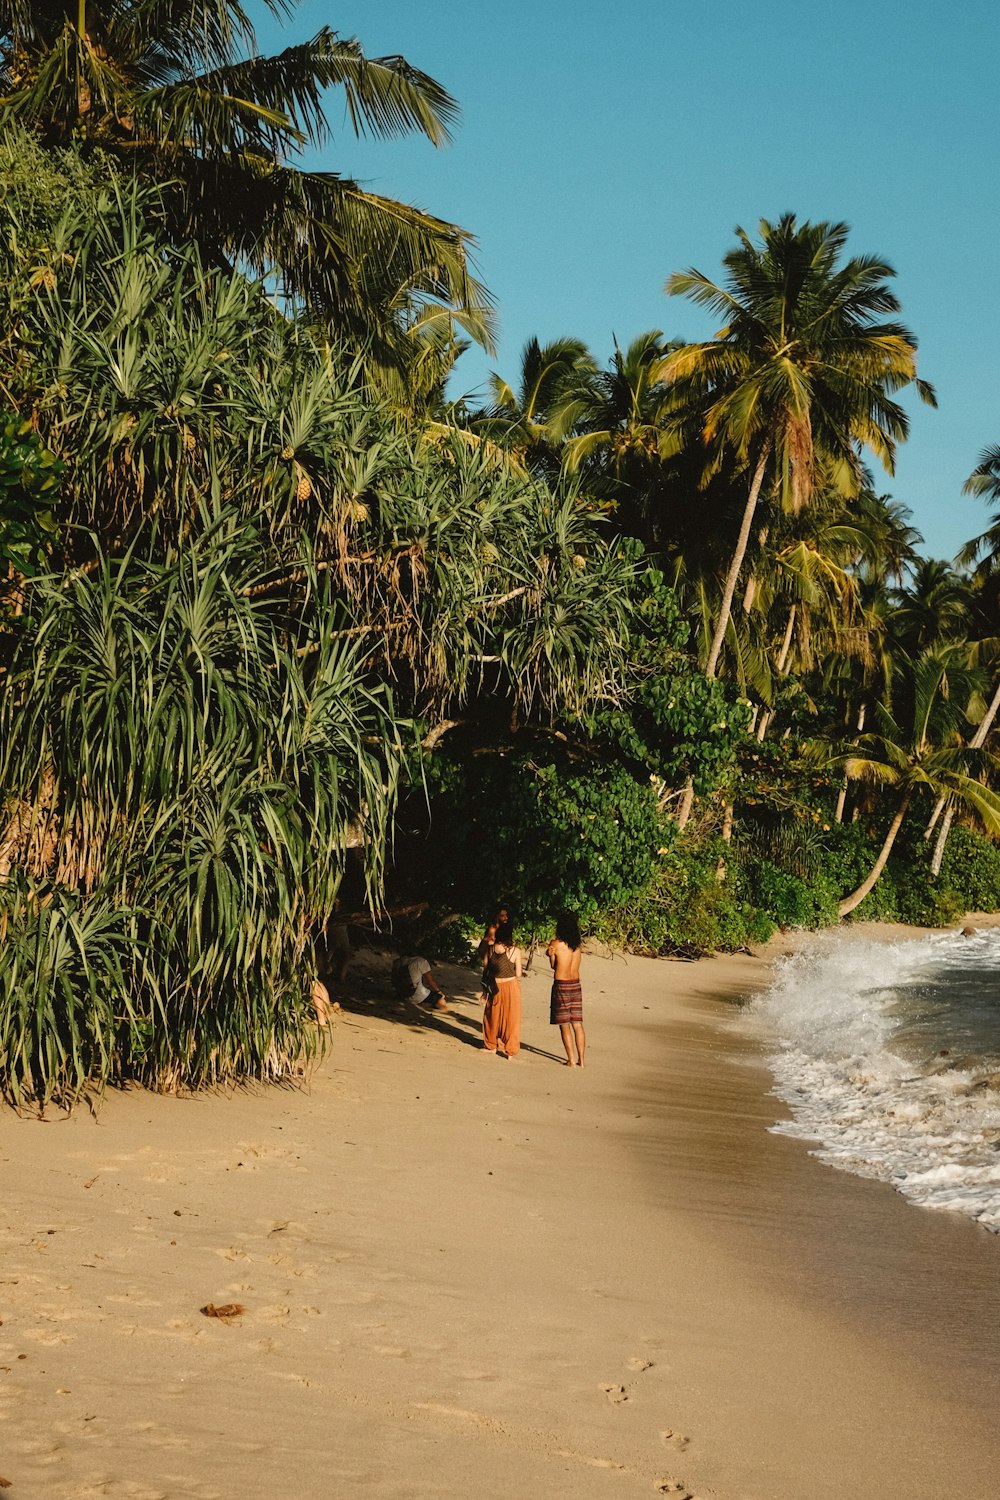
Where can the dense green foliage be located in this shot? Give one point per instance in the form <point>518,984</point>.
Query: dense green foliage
<point>29,479</point>
<point>181,96</point>
<point>643,642</point>
<point>557,835</point>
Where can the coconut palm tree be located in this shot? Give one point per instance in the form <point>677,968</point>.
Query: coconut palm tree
<point>619,418</point>
<point>983,554</point>
<point>933,607</point>
<point>804,368</point>
<point>918,750</point>
<point>984,481</point>
<point>180,94</point>
<point>533,419</point>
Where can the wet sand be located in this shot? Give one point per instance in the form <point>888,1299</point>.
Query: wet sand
<point>463,1276</point>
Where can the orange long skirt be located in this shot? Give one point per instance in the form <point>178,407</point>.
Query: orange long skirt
<point>502,1019</point>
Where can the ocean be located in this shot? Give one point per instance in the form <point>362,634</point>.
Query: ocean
<point>888,1057</point>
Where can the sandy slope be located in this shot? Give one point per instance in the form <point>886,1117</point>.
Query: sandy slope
<point>465,1277</point>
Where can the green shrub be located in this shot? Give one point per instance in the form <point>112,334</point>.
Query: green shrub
<point>543,836</point>
<point>971,870</point>
<point>788,899</point>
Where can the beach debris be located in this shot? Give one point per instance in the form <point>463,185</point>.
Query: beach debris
<point>226,1312</point>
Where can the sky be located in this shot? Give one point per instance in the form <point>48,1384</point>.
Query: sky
<point>603,146</point>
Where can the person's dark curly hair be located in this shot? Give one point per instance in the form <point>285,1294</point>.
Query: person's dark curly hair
<point>568,930</point>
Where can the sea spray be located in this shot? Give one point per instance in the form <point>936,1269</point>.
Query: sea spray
<point>888,1056</point>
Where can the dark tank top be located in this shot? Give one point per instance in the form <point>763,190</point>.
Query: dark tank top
<point>501,965</point>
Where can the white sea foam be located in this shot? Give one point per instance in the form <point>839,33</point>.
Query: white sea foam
<point>888,1055</point>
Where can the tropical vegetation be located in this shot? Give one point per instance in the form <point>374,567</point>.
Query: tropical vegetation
<point>282,627</point>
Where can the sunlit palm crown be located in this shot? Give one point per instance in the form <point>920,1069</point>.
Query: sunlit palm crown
<point>176,87</point>
<point>807,361</point>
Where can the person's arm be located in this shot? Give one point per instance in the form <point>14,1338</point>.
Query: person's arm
<point>517,962</point>
<point>550,953</point>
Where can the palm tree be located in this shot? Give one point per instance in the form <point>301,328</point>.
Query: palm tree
<point>984,481</point>
<point>180,94</point>
<point>534,420</point>
<point>932,608</point>
<point>983,552</point>
<point>804,368</point>
<point>920,752</point>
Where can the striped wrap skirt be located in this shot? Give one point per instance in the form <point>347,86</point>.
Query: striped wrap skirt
<point>566,1004</point>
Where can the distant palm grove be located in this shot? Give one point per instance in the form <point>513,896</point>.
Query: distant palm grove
<point>282,625</point>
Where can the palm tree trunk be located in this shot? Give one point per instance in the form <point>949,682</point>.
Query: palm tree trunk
<point>842,794</point>
<point>732,577</point>
<point>856,897</point>
<point>976,743</point>
<point>838,816</point>
<point>750,592</point>
<point>786,644</point>
<point>781,666</point>
<point>687,802</point>
<point>932,821</point>
<point>942,839</point>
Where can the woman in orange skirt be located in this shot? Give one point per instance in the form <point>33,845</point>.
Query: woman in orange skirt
<point>502,1012</point>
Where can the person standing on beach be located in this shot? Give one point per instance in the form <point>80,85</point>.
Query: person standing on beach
<point>502,1012</point>
<point>566,1006</point>
<point>485,944</point>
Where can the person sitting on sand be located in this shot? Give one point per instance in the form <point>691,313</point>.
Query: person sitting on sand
<point>566,1006</point>
<point>426,990</point>
<point>320,996</point>
<point>502,1012</point>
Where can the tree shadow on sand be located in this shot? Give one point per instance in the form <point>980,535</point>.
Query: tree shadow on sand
<point>367,991</point>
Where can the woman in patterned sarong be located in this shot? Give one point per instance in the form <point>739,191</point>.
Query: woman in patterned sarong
<point>502,1011</point>
<point>566,1007</point>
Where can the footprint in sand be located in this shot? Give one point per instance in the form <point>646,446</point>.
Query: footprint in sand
<point>675,1487</point>
<point>674,1439</point>
<point>616,1393</point>
<point>48,1337</point>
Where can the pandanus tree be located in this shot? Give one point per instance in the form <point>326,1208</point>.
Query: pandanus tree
<point>180,94</point>
<point>270,579</point>
<point>918,750</point>
<point>804,368</point>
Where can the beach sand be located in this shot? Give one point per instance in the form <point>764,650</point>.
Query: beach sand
<point>469,1277</point>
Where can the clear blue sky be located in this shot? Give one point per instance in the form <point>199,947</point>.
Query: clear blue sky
<point>602,147</point>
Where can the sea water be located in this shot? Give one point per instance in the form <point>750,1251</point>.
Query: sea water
<point>888,1056</point>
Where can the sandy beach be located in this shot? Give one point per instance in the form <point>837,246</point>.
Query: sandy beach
<point>467,1277</point>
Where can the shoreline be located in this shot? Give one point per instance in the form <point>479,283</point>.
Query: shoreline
<point>468,1276</point>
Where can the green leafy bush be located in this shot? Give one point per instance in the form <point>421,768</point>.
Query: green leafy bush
<point>788,899</point>
<point>971,869</point>
<point>543,836</point>
<point>29,482</point>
